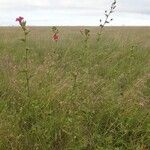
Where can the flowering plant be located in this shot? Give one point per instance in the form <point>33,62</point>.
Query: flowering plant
<point>107,20</point>
<point>56,34</point>
<point>86,34</point>
<point>22,23</point>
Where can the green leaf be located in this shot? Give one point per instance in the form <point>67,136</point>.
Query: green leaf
<point>55,30</point>
<point>27,32</point>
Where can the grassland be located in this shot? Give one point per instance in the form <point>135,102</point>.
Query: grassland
<point>94,98</point>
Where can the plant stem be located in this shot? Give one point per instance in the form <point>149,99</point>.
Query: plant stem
<point>113,6</point>
<point>26,65</point>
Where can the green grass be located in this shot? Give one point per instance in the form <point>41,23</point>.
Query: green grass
<point>94,98</point>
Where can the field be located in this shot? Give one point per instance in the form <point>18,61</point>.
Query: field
<point>81,98</point>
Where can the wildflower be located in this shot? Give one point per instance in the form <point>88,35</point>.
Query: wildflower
<point>107,20</point>
<point>86,35</point>
<point>20,19</point>
<point>55,37</point>
<point>56,34</point>
<point>22,24</point>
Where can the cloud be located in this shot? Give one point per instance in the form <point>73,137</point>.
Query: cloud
<point>135,6</point>
<point>74,12</point>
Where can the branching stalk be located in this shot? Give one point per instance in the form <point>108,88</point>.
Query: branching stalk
<point>107,20</point>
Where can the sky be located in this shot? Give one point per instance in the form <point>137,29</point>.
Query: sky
<point>74,12</point>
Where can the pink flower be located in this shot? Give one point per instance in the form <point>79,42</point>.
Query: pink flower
<point>19,19</point>
<point>55,37</point>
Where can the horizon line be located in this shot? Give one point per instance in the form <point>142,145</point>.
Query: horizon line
<point>77,26</point>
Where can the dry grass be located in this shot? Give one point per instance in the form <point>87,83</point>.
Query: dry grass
<point>96,98</point>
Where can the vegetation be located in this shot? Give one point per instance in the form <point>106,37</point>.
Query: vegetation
<point>93,98</point>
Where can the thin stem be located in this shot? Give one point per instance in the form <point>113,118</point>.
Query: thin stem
<point>26,65</point>
<point>113,6</point>
<point>106,20</point>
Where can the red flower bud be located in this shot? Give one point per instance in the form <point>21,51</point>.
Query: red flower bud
<point>56,37</point>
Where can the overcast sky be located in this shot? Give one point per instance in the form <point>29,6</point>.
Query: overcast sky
<point>74,12</point>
